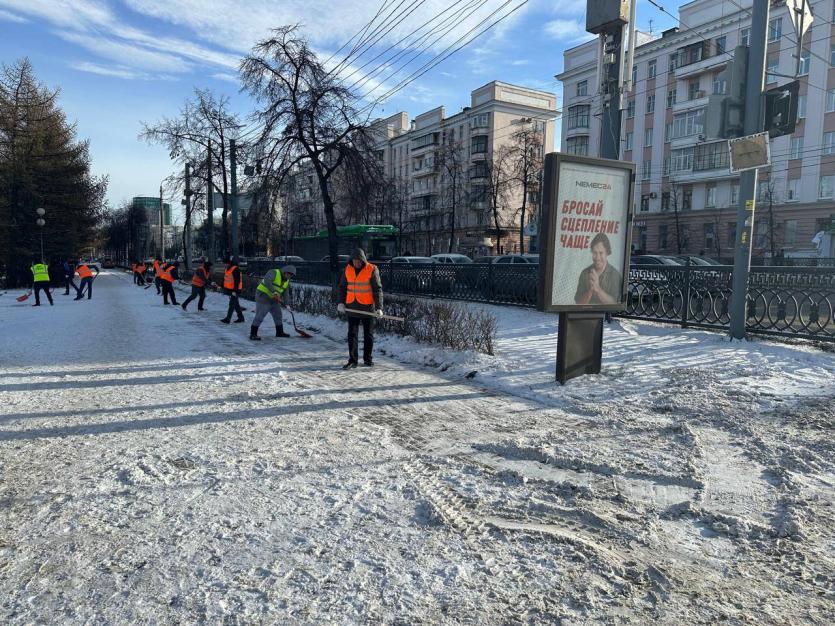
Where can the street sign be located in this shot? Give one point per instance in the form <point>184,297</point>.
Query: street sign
<point>749,153</point>
<point>800,13</point>
<point>781,109</point>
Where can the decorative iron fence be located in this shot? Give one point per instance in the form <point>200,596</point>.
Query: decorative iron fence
<point>785,301</point>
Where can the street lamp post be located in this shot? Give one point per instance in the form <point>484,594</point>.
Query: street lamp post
<point>41,222</point>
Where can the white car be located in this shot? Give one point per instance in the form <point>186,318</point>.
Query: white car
<point>451,258</point>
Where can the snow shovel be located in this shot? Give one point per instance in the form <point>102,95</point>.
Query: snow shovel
<point>393,318</point>
<point>298,330</point>
<point>24,297</point>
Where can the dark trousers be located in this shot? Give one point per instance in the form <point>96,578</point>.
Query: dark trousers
<point>138,279</point>
<point>69,282</point>
<point>157,282</point>
<point>196,292</point>
<point>168,291</point>
<point>86,283</point>
<point>235,306</point>
<point>42,285</point>
<point>367,338</point>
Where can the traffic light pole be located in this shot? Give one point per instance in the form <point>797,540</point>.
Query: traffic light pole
<point>748,180</point>
<point>233,164</point>
<point>611,116</point>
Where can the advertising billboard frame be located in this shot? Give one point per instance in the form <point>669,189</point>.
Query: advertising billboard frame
<point>551,179</point>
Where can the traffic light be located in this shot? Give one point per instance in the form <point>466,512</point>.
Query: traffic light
<point>781,109</point>
<point>724,115</point>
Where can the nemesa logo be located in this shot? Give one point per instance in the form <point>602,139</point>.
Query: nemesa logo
<point>585,183</point>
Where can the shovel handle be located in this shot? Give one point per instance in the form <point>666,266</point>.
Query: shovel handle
<point>393,318</point>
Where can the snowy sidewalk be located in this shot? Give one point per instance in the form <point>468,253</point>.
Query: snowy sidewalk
<point>155,465</point>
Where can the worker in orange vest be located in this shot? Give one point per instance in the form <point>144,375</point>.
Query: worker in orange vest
<point>86,275</point>
<point>167,276</point>
<point>233,285</point>
<point>200,279</point>
<point>360,289</point>
<point>157,265</point>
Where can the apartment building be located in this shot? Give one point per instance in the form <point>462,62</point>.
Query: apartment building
<point>439,169</point>
<point>685,195</point>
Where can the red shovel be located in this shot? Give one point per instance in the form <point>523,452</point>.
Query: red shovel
<point>24,297</point>
<point>297,329</point>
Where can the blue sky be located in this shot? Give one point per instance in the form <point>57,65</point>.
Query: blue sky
<point>120,62</point>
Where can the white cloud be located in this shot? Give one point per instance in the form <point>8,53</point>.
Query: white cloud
<point>115,71</point>
<point>231,78</point>
<point>520,62</point>
<point>8,16</point>
<point>569,31</point>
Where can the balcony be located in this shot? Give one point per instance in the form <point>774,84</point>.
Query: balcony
<point>697,103</point>
<point>426,170</point>
<point>709,64</point>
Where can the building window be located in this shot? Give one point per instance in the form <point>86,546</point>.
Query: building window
<point>801,106</point>
<point>583,88</point>
<point>630,108</point>
<point>771,68</point>
<point>763,193</point>
<point>671,97</point>
<point>826,188</point>
<point>793,190</point>
<point>830,100</point>
<point>681,160</point>
<point>693,91</point>
<point>577,145</point>
<point>710,236</point>
<point>760,234</point>
<point>578,116</point>
<point>734,193</point>
<point>832,54</point>
<point>673,62</point>
<point>796,147</point>
<point>651,69</point>
<point>651,103</point>
<point>775,28</point>
<point>720,85</point>
<point>647,136</point>
<point>662,236</point>
<point>425,140</point>
<point>710,196</point>
<point>721,44</point>
<point>665,201</point>
<point>790,230</point>
<point>482,120</point>
<point>688,123</point>
<point>687,197</point>
<point>646,169</point>
<point>745,36</point>
<point>645,202</point>
<point>478,144</point>
<point>480,168</point>
<point>629,141</point>
<point>668,131</point>
<point>805,59</point>
<point>710,156</point>
<point>829,143</point>
<point>732,234</point>
<point>634,75</point>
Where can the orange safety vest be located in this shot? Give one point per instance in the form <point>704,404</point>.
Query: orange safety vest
<point>229,280</point>
<point>141,268</point>
<point>165,273</point>
<point>200,277</point>
<point>83,271</point>
<point>156,268</point>
<point>359,285</point>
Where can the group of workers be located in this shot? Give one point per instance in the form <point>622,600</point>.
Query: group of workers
<point>360,296</point>
<point>41,279</point>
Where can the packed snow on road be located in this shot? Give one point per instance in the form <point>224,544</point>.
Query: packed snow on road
<point>156,466</point>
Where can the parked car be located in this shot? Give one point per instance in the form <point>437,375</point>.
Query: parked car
<point>509,258</point>
<point>288,259</point>
<point>108,263</point>
<point>342,259</point>
<point>451,258</point>
<point>406,279</point>
<point>697,260</point>
<point>653,259</point>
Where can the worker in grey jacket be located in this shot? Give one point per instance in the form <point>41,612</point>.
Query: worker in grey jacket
<point>268,298</point>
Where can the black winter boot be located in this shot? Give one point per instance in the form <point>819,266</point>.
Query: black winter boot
<point>279,331</point>
<point>253,333</point>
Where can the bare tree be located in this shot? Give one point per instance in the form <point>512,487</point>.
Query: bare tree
<point>499,172</point>
<point>769,197</point>
<point>451,160</point>
<point>307,115</point>
<point>526,146</point>
<point>199,135</point>
<point>675,205</point>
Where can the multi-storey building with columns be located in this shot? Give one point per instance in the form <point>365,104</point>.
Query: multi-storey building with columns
<point>685,194</point>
